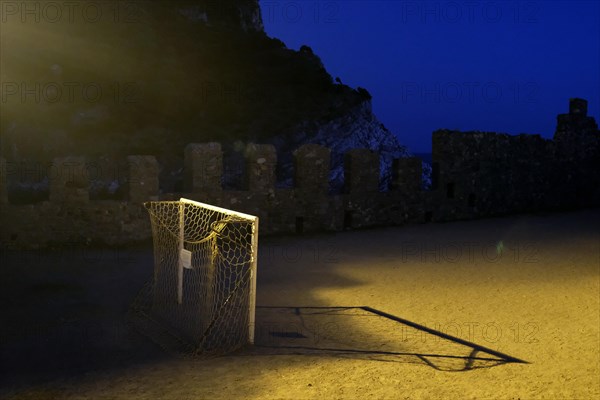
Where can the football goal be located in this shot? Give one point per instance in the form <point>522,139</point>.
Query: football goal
<point>204,286</point>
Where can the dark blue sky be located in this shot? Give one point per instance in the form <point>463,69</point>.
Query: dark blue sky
<point>505,66</point>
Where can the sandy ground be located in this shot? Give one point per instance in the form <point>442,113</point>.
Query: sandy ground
<point>526,286</point>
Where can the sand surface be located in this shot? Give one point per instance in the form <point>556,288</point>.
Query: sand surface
<point>526,286</point>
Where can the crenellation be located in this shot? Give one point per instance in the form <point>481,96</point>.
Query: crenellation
<point>311,169</point>
<point>309,210</point>
<point>578,107</point>
<point>203,169</point>
<point>261,160</point>
<point>474,175</point>
<point>361,171</point>
<point>575,125</point>
<point>577,152</point>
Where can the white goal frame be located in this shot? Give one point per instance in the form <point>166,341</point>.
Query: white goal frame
<point>253,261</point>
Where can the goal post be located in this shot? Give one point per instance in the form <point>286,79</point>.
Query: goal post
<point>253,269</point>
<point>205,267</point>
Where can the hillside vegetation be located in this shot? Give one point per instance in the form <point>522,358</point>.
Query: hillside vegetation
<point>154,79</point>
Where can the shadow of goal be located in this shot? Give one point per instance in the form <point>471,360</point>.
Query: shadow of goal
<point>366,333</point>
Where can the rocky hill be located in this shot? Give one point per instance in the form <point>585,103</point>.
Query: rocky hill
<point>150,77</point>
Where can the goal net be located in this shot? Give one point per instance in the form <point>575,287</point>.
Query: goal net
<point>204,286</point>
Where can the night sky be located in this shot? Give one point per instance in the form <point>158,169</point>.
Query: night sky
<point>504,66</point>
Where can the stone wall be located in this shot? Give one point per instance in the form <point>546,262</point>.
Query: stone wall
<point>482,174</point>
<point>475,175</point>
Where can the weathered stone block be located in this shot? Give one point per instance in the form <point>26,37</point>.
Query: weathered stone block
<point>261,160</point>
<point>361,171</point>
<point>203,167</point>
<point>312,168</point>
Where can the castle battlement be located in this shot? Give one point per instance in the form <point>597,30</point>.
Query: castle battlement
<point>474,175</point>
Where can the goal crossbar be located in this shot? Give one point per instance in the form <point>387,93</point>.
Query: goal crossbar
<point>218,209</point>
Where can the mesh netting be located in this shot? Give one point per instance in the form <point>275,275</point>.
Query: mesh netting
<point>202,293</point>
